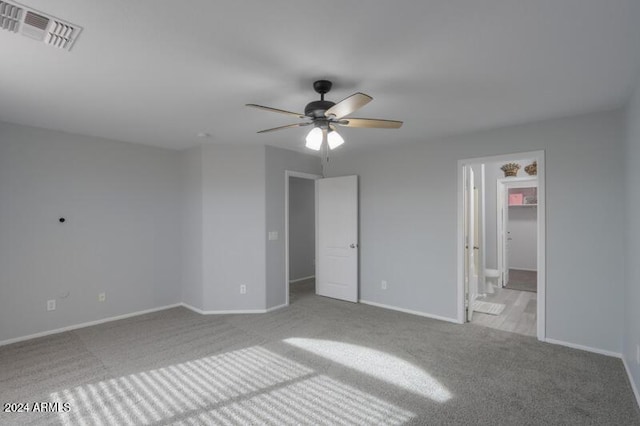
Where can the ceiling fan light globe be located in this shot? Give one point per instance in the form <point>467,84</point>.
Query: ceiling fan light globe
<point>314,139</point>
<point>334,139</point>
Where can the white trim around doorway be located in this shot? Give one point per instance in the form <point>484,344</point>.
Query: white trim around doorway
<point>539,156</point>
<point>288,174</point>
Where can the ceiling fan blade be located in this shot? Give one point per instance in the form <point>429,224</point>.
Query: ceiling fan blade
<point>285,127</point>
<point>281,111</point>
<point>348,105</point>
<point>372,123</point>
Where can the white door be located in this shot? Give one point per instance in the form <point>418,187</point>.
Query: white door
<point>337,238</point>
<point>507,238</point>
<point>503,232</point>
<point>480,231</point>
<point>471,276</point>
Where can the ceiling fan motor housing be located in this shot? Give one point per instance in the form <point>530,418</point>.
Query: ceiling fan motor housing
<point>316,109</point>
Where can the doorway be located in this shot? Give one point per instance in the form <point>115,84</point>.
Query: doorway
<point>517,215</point>
<point>300,234</point>
<point>501,262</point>
<point>336,251</point>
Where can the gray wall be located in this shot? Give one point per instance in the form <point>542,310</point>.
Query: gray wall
<point>302,228</point>
<point>233,229</point>
<point>276,163</point>
<point>122,234</point>
<point>408,220</point>
<point>136,213</point>
<point>632,226</point>
<point>231,194</point>
<point>192,291</point>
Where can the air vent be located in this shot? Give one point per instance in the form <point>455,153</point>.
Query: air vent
<point>10,16</point>
<point>35,20</point>
<point>60,34</point>
<point>35,26</point>
<point>38,26</point>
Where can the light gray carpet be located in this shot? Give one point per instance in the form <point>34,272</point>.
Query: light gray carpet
<point>320,361</point>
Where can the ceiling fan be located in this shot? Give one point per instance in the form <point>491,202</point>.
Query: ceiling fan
<point>325,116</point>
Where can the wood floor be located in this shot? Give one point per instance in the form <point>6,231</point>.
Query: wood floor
<point>519,316</point>
<point>523,280</point>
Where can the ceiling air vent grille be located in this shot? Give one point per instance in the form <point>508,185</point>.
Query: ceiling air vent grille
<point>38,26</point>
<point>60,35</point>
<point>10,16</point>
<point>35,25</point>
<point>36,20</point>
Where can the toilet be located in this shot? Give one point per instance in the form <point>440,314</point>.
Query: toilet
<point>491,279</point>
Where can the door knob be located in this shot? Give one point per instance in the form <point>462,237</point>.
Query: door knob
<point>352,245</point>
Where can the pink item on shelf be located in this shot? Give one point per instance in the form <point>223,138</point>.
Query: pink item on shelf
<point>515,199</point>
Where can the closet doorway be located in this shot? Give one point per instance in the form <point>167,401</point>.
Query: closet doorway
<point>300,234</point>
<point>517,213</point>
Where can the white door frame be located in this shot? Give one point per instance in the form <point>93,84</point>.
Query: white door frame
<point>539,156</point>
<point>287,175</point>
<point>502,203</point>
<point>472,276</point>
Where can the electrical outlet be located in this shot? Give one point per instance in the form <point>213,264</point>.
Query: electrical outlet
<point>243,289</point>
<point>273,235</point>
<point>384,285</point>
<point>51,305</point>
<point>102,297</point>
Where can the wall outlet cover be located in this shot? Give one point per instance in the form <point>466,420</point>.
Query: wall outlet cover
<point>243,289</point>
<point>102,297</point>
<point>384,285</point>
<point>51,305</point>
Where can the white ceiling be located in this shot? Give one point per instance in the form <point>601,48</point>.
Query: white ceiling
<point>159,72</point>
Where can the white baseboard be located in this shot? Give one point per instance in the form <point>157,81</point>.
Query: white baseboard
<point>583,348</point>
<point>301,279</point>
<point>273,308</point>
<point>231,312</point>
<point>633,384</point>
<point>85,324</point>
<point>409,311</point>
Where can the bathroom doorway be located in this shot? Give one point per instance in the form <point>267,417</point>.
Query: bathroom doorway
<point>501,243</point>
